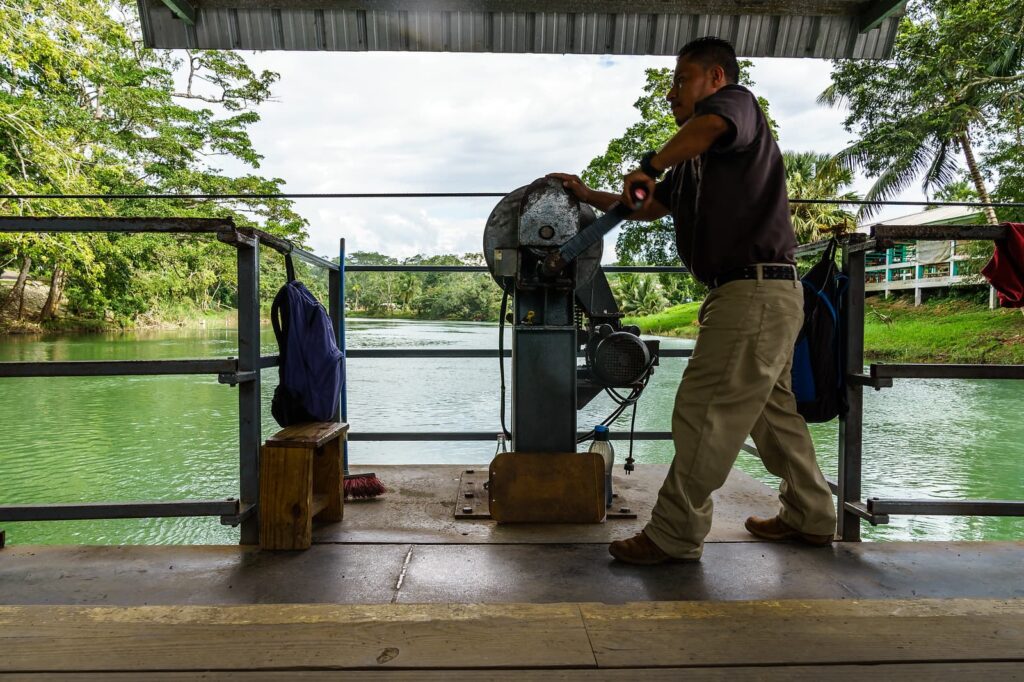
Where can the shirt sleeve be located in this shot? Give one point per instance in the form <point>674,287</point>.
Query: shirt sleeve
<point>739,109</point>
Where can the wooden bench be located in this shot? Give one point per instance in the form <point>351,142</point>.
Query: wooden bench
<point>301,478</point>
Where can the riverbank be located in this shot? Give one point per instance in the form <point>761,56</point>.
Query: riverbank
<point>949,330</point>
<point>183,316</point>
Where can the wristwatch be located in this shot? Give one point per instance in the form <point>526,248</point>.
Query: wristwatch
<point>648,168</point>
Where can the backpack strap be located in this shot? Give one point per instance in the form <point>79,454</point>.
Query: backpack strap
<point>289,266</point>
<point>279,313</point>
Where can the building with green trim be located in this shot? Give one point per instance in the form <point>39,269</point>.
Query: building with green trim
<point>922,267</point>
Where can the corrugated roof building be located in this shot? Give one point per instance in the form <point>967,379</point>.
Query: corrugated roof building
<point>758,28</point>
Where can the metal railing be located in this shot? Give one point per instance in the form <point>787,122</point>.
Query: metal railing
<point>242,371</point>
<point>852,508</point>
<point>876,510</point>
<point>393,436</point>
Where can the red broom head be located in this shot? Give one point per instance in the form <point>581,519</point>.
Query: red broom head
<point>363,486</point>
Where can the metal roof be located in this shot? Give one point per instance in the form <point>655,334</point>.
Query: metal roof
<point>757,28</point>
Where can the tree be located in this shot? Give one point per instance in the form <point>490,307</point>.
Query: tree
<point>956,64</point>
<point>85,109</point>
<point>638,294</point>
<point>651,243</point>
<point>810,175</point>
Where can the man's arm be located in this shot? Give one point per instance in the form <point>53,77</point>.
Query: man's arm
<point>605,200</point>
<point>693,139</point>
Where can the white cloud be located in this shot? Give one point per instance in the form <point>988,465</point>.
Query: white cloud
<point>392,122</point>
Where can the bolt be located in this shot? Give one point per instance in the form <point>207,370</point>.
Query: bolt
<point>467,510</point>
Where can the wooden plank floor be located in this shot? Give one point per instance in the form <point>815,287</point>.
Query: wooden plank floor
<point>911,672</point>
<point>918,639</point>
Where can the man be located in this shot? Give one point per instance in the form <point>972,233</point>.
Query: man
<point>727,195</point>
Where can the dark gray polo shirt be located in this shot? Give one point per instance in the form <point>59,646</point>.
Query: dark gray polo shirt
<point>729,205</point>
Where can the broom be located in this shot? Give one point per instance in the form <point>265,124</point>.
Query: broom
<point>363,486</point>
<point>356,486</point>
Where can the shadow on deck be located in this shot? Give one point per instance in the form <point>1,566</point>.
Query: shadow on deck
<point>400,584</point>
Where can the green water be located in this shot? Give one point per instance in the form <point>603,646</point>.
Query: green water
<point>79,439</point>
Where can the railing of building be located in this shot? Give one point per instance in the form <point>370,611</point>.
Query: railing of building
<point>244,372</point>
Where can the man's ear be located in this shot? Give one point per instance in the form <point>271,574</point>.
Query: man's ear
<point>718,76</point>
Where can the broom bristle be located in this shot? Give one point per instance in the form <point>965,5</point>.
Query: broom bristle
<point>363,486</point>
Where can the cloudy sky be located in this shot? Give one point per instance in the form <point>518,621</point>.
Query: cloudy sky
<point>404,122</point>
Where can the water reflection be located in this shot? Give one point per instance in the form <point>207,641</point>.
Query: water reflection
<point>134,438</point>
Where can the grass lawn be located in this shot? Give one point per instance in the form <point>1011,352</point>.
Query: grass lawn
<point>680,320</point>
<point>949,331</point>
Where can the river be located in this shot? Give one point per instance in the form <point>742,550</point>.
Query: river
<point>81,439</point>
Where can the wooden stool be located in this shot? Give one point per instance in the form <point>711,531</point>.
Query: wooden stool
<point>301,477</point>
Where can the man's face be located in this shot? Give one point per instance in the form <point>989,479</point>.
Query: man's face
<point>691,83</point>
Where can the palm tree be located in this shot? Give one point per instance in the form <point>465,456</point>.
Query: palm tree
<point>810,175</point>
<point>639,294</point>
<point>954,64</point>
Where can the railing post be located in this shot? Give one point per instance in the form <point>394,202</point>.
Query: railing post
<point>249,408</point>
<point>338,289</point>
<point>851,425</point>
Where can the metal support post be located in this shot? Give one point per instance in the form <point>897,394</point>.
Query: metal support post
<point>851,425</point>
<point>339,286</point>
<point>249,408</point>
<point>544,372</point>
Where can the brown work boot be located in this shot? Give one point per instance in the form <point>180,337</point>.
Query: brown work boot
<point>775,529</point>
<point>641,550</point>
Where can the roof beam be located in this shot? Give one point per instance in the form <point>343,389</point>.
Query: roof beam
<point>874,13</point>
<point>713,7</point>
<point>182,9</point>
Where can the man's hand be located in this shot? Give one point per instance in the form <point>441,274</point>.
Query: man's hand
<point>574,185</point>
<point>634,181</point>
<point>600,200</point>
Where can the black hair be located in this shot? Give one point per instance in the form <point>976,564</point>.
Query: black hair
<point>711,51</point>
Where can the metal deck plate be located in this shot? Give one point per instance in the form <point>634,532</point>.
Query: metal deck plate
<point>471,501</point>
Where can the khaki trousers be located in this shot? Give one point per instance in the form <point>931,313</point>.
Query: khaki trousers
<point>737,383</point>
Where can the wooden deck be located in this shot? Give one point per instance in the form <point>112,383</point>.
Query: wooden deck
<point>918,639</point>
<point>402,591</point>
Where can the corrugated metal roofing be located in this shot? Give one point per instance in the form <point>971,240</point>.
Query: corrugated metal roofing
<point>772,28</point>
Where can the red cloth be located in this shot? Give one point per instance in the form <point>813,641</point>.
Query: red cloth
<point>1005,272</point>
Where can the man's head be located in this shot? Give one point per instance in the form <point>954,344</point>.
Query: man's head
<point>704,67</point>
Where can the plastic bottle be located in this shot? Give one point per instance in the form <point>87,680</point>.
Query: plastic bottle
<point>603,446</point>
<point>501,447</point>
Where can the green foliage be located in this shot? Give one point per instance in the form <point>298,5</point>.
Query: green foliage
<point>85,109</point>
<point>950,330</point>
<point>427,295</point>
<point>679,320</point>
<point>810,176</point>
<point>638,294</point>
<point>955,78</point>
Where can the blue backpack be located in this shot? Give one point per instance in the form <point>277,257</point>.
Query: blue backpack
<point>310,370</point>
<point>819,358</point>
